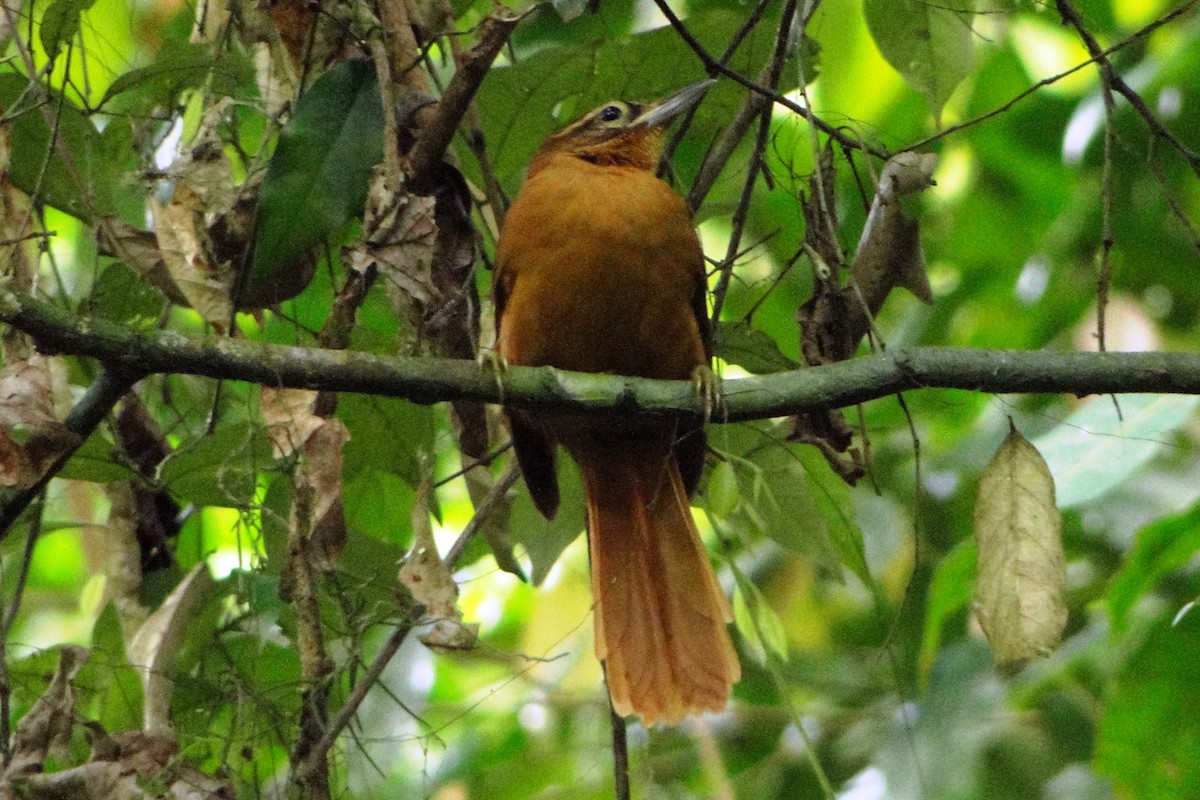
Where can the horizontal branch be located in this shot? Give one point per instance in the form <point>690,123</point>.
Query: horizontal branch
<point>428,380</point>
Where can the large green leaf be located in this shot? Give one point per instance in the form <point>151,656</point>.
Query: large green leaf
<point>930,44</point>
<point>1149,735</point>
<point>65,170</point>
<point>544,540</point>
<point>742,344</point>
<point>387,434</point>
<point>218,470</point>
<point>1097,447</point>
<point>60,23</point>
<point>179,67</point>
<point>318,177</point>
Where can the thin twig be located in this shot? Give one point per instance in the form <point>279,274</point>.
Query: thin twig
<point>344,714</point>
<point>715,67</point>
<point>1142,32</point>
<point>434,136</point>
<point>773,72</point>
<point>10,616</point>
<point>485,507</point>
<point>620,752</point>
<point>1116,83</point>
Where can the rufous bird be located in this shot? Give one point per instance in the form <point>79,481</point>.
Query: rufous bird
<point>599,269</point>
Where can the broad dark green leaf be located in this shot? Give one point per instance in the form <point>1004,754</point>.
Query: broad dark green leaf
<point>318,177</point>
<point>121,295</point>
<point>388,435</point>
<point>96,460</point>
<point>544,540</point>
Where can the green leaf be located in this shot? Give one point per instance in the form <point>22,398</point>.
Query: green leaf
<point>96,461</point>
<point>949,593</point>
<point>318,177</point>
<point>114,688</point>
<point>60,23</point>
<point>758,623</point>
<point>930,44</point>
<point>1159,549</point>
<point>183,66</point>
<point>1094,450</point>
<point>387,434</point>
<point>218,470</point>
<point>33,147</point>
<point>789,494</point>
<point>721,491</point>
<point>544,540</point>
<point>120,295</point>
<point>742,344</point>
<point>1150,734</point>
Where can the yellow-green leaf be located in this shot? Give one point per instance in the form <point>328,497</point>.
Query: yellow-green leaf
<point>1021,575</point>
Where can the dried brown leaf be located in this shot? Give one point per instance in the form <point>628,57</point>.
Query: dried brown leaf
<point>429,581</point>
<point>321,474</point>
<point>1021,576</point>
<point>289,417</point>
<point>33,436</point>
<point>182,242</point>
<point>46,728</point>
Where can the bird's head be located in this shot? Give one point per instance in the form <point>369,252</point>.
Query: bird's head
<point>620,133</point>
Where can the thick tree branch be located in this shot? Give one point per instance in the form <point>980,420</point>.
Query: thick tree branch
<point>428,380</point>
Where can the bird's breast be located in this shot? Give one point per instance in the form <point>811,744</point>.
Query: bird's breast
<point>600,266</point>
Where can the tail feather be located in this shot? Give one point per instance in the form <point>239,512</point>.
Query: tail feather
<point>660,614</point>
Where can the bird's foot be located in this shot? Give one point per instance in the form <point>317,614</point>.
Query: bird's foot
<point>491,361</point>
<point>708,390</point>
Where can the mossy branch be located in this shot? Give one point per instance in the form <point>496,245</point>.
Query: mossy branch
<point>426,380</point>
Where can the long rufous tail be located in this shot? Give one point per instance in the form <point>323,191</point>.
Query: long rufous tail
<point>659,611</point>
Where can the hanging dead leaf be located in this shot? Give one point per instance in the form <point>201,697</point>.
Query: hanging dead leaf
<point>179,229</point>
<point>320,474</point>
<point>33,437</point>
<point>46,728</point>
<point>289,417</point>
<point>399,232</point>
<point>158,640</point>
<point>1021,575</point>
<point>431,584</point>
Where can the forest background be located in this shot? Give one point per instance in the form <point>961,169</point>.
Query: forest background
<point>229,550</point>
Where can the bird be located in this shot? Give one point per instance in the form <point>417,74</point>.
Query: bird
<point>598,268</point>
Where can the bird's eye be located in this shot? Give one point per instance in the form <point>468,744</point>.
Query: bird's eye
<point>610,113</point>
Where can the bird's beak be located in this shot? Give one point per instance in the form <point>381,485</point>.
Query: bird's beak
<point>667,109</point>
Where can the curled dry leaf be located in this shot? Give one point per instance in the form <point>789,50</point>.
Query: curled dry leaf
<point>320,476</point>
<point>889,250</point>
<point>429,581</point>
<point>1021,576</point>
<point>182,242</point>
<point>290,418</point>
<point>31,437</point>
<point>46,728</point>
<point>399,232</point>
<point>153,648</point>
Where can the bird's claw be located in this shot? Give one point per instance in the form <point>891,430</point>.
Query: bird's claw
<point>708,389</point>
<point>491,361</point>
